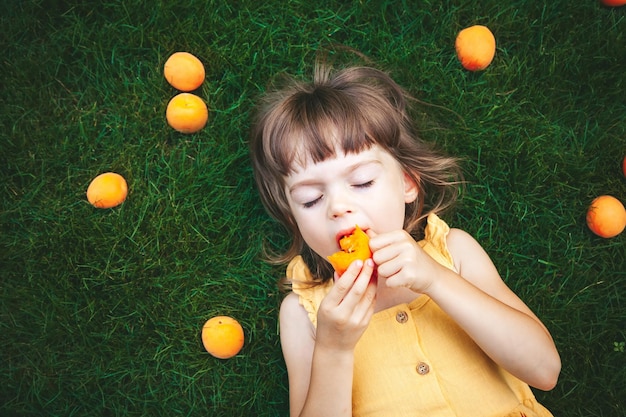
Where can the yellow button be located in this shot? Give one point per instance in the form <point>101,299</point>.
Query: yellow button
<point>423,368</point>
<point>402,317</point>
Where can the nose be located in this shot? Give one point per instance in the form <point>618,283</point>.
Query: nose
<point>339,204</point>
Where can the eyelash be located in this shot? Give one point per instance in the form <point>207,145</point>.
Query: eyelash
<point>365,184</point>
<point>310,204</point>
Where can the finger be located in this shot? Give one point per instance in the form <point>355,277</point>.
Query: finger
<point>390,261</point>
<point>379,241</point>
<point>364,308</point>
<point>372,284</point>
<point>384,254</point>
<point>390,238</point>
<point>344,284</point>
<point>361,283</point>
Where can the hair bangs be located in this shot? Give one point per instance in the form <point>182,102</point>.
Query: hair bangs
<point>317,123</point>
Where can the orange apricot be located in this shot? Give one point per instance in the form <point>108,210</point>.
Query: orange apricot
<point>613,3</point>
<point>606,216</point>
<point>187,113</point>
<point>222,337</point>
<point>353,247</point>
<point>475,47</point>
<point>184,71</point>
<point>107,190</point>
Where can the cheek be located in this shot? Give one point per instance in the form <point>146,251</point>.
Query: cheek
<point>388,210</point>
<point>316,242</point>
<point>311,230</point>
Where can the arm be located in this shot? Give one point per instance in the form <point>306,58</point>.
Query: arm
<point>477,299</point>
<point>320,363</point>
<point>498,321</point>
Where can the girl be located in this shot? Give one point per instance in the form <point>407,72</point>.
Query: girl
<point>426,326</point>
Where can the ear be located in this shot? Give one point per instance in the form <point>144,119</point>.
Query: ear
<point>411,189</point>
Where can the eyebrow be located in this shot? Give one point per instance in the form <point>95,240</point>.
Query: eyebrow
<point>350,169</point>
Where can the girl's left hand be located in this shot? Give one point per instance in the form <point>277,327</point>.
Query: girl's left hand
<point>402,262</point>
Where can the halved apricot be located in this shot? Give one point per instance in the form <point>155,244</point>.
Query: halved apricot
<point>353,247</point>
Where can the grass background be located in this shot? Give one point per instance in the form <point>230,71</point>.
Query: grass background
<point>101,310</point>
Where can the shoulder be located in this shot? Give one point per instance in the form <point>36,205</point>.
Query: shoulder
<point>290,305</point>
<point>297,336</point>
<point>464,247</point>
<point>297,340</point>
<point>472,261</point>
<point>474,265</point>
<point>294,318</point>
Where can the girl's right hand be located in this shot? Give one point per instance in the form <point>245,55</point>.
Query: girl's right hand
<point>345,312</point>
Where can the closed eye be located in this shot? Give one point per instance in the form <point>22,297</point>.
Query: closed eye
<point>311,203</point>
<point>365,184</point>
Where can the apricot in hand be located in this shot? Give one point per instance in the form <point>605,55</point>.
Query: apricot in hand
<point>353,247</point>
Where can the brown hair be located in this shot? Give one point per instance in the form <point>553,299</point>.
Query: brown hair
<point>353,109</point>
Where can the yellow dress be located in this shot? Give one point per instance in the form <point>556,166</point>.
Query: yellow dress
<point>414,360</point>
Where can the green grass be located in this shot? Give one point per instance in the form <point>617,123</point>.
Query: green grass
<point>101,310</point>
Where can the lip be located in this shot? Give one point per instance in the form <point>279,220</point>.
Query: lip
<point>343,233</point>
<point>346,232</point>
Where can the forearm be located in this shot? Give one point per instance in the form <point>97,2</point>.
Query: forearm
<point>330,389</point>
<point>512,338</point>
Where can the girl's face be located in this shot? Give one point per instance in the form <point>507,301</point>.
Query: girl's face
<point>328,199</point>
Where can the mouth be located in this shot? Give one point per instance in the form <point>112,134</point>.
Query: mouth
<point>345,233</point>
<point>342,234</point>
<point>352,247</point>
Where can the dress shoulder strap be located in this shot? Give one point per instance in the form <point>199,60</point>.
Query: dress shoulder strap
<point>435,241</point>
<point>309,292</point>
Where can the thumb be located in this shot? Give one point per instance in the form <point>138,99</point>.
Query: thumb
<point>372,235</point>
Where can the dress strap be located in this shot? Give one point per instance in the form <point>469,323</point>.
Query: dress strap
<point>435,241</point>
<point>309,292</point>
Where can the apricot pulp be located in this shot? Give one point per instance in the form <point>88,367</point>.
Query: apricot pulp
<point>353,247</point>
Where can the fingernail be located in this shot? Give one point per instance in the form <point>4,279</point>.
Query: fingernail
<point>370,262</point>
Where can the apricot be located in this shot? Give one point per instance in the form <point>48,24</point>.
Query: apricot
<point>222,337</point>
<point>187,113</point>
<point>475,47</point>
<point>606,216</point>
<point>184,71</point>
<point>107,190</point>
<point>354,246</point>
<point>613,3</point>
